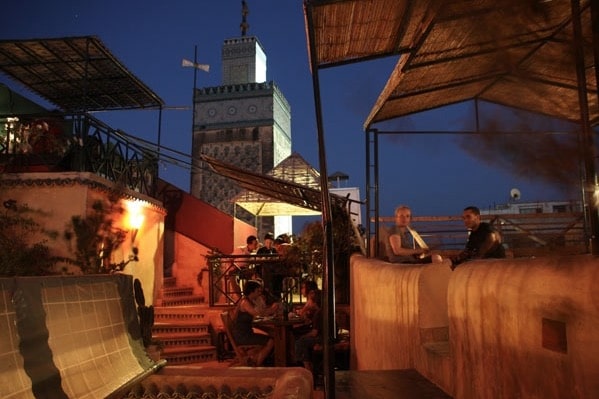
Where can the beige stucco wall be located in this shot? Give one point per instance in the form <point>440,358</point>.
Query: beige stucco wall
<point>478,332</point>
<point>56,197</point>
<point>190,265</point>
<point>496,312</point>
<point>384,313</point>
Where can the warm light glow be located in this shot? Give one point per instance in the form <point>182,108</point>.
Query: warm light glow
<point>136,214</point>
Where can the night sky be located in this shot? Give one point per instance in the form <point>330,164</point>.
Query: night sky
<point>434,174</point>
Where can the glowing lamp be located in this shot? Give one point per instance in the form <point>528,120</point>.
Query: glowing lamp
<point>135,217</point>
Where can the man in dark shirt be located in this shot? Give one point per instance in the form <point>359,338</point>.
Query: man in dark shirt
<point>272,282</point>
<point>484,241</point>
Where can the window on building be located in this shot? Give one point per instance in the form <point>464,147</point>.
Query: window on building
<point>527,210</point>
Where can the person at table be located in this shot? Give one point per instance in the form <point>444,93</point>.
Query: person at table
<point>311,333</point>
<point>249,248</point>
<point>244,270</point>
<point>268,248</point>
<point>484,241</point>
<point>404,244</point>
<point>267,270</point>
<point>277,271</point>
<point>309,290</point>
<point>243,329</point>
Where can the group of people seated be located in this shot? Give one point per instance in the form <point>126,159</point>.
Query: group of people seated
<point>270,246</point>
<point>272,273</point>
<point>254,304</point>
<point>403,244</point>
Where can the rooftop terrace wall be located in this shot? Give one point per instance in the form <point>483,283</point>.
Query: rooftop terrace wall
<point>522,327</point>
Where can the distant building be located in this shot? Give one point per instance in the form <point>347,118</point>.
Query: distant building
<point>244,122</point>
<point>353,194</point>
<point>516,207</point>
<point>545,225</point>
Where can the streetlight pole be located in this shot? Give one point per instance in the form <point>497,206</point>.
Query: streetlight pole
<point>195,66</point>
<point>193,96</point>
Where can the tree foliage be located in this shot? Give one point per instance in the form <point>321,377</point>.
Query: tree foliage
<point>24,242</point>
<point>95,238</point>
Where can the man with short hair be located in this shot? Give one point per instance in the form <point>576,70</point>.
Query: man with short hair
<point>268,248</point>
<point>250,247</point>
<point>267,270</point>
<point>484,241</point>
<point>244,270</point>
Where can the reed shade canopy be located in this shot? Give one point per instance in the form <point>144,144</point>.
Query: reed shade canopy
<point>516,53</point>
<point>293,169</point>
<point>77,74</point>
<point>290,189</point>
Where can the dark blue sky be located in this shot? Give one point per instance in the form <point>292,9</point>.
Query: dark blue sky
<point>432,174</point>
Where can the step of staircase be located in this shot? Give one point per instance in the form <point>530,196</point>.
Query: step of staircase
<point>182,326</point>
<point>189,354</point>
<point>169,282</point>
<point>176,292</point>
<point>182,300</point>
<point>170,341</point>
<point>179,329</point>
<point>195,313</point>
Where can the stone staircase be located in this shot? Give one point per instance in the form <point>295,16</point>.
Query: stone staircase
<point>181,324</point>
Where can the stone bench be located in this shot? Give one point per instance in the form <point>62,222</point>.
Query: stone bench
<point>69,337</point>
<point>79,337</point>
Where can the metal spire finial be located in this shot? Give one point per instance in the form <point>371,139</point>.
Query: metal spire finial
<point>244,12</point>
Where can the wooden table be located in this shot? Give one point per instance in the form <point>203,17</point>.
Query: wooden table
<point>282,331</point>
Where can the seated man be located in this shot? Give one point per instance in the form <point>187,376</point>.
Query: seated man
<point>268,248</point>
<point>484,241</point>
<point>272,287</point>
<point>244,270</point>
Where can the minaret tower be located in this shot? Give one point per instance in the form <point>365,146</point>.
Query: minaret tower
<point>245,122</point>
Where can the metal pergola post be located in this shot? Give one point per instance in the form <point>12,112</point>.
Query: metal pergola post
<point>588,145</point>
<point>328,331</point>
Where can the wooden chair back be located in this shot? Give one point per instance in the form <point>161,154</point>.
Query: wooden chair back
<point>242,352</point>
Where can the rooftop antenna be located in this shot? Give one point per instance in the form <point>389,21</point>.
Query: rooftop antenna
<point>195,65</point>
<point>515,194</point>
<point>244,12</point>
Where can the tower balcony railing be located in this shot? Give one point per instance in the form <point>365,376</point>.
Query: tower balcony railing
<point>56,142</point>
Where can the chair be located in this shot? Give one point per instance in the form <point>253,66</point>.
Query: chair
<point>242,352</point>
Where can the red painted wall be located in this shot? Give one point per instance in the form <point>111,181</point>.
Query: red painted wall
<point>205,224</point>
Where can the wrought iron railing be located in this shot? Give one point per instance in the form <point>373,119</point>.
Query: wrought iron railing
<point>282,279</point>
<point>76,142</point>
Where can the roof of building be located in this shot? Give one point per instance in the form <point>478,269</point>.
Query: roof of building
<point>75,74</point>
<point>516,53</point>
